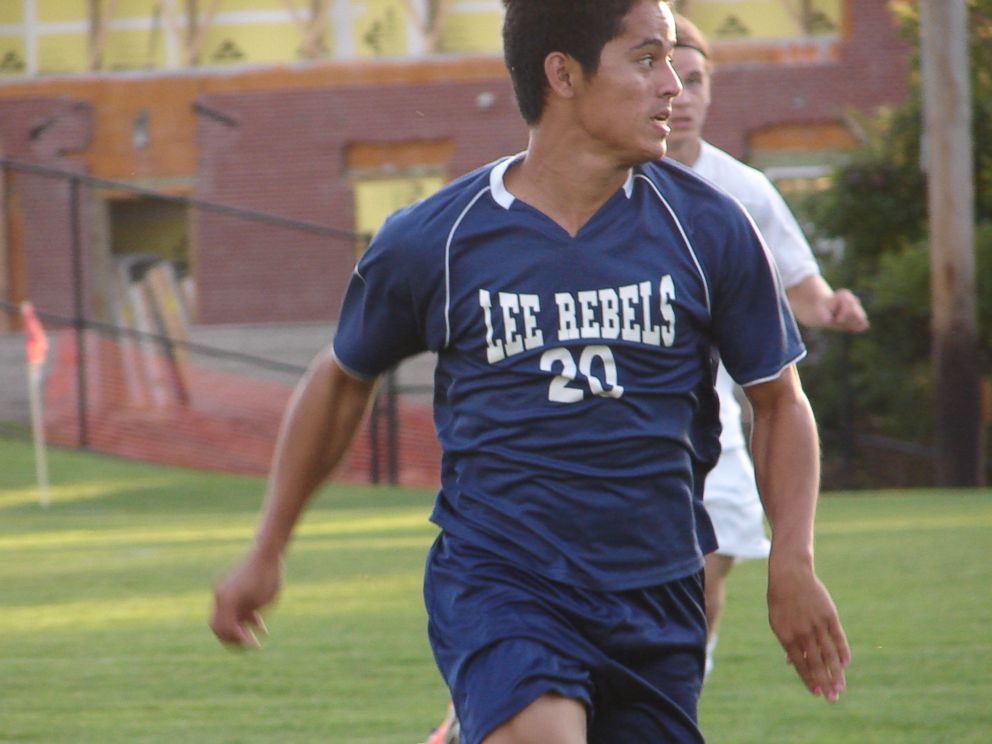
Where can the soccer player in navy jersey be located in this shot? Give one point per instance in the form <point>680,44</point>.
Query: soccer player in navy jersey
<point>576,295</point>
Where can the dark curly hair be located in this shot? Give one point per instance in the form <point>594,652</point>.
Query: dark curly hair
<point>532,29</point>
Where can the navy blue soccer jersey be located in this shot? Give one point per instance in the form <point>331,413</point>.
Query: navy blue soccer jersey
<point>574,394</point>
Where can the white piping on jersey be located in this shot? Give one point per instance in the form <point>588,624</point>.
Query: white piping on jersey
<point>775,275</point>
<point>799,357</point>
<point>503,197</point>
<point>685,239</point>
<point>628,185</point>
<point>779,288</point>
<point>348,370</point>
<point>447,264</point>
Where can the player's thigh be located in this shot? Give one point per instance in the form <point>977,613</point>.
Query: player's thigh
<point>502,639</point>
<point>550,719</point>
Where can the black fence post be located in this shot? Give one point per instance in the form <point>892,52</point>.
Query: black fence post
<point>374,441</point>
<point>79,312</point>
<point>392,430</point>
<point>848,433</point>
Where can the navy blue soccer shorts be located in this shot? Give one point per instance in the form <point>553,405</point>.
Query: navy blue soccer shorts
<point>502,637</point>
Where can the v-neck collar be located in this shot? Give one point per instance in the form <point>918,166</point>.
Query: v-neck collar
<point>505,199</point>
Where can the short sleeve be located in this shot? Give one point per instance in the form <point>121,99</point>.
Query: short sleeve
<point>753,326</point>
<point>384,315</point>
<point>782,234</point>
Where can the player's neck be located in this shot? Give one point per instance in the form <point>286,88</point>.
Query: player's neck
<point>568,187</point>
<point>685,151</point>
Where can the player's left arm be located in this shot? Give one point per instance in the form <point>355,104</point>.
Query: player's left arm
<point>801,612</point>
<point>817,305</point>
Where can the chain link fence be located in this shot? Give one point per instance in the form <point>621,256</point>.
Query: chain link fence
<point>131,373</point>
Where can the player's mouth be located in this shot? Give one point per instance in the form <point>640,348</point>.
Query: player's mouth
<point>680,123</point>
<point>661,120</point>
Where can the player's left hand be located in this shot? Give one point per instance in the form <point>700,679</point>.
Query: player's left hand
<point>805,620</point>
<point>845,313</point>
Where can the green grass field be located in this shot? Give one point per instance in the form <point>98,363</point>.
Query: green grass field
<point>104,600</point>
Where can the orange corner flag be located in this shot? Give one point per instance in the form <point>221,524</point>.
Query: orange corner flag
<point>36,342</point>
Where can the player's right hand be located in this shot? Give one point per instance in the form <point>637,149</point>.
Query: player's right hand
<point>238,599</point>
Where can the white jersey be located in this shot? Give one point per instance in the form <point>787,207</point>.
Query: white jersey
<point>789,247</point>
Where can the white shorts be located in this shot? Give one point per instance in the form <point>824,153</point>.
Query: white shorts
<point>731,499</point>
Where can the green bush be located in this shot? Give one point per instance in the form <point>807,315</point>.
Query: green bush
<point>880,383</point>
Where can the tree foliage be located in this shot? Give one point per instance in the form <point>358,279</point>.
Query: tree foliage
<point>881,382</point>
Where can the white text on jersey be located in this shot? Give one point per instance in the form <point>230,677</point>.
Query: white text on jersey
<point>624,313</point>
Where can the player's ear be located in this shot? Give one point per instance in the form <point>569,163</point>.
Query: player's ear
<point>561,72</point>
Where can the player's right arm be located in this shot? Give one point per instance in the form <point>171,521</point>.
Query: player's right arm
<point>802,614</point>
<point>320,422</point>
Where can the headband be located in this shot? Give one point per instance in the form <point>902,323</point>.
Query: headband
<point>691,46</point>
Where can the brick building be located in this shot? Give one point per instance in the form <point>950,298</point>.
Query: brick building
<point>306,141</point>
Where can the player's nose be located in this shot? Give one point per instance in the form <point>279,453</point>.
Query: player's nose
<point>669,83</point>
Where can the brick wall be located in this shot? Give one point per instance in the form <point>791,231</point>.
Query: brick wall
<point>276,140</point>
<point>870,71</point>
<point>35,260</point>
<point>287,155</point>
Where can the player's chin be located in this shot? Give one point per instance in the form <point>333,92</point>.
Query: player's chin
<point>651,150</point>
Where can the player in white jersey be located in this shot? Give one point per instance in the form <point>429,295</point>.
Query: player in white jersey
<point>731,497</point>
